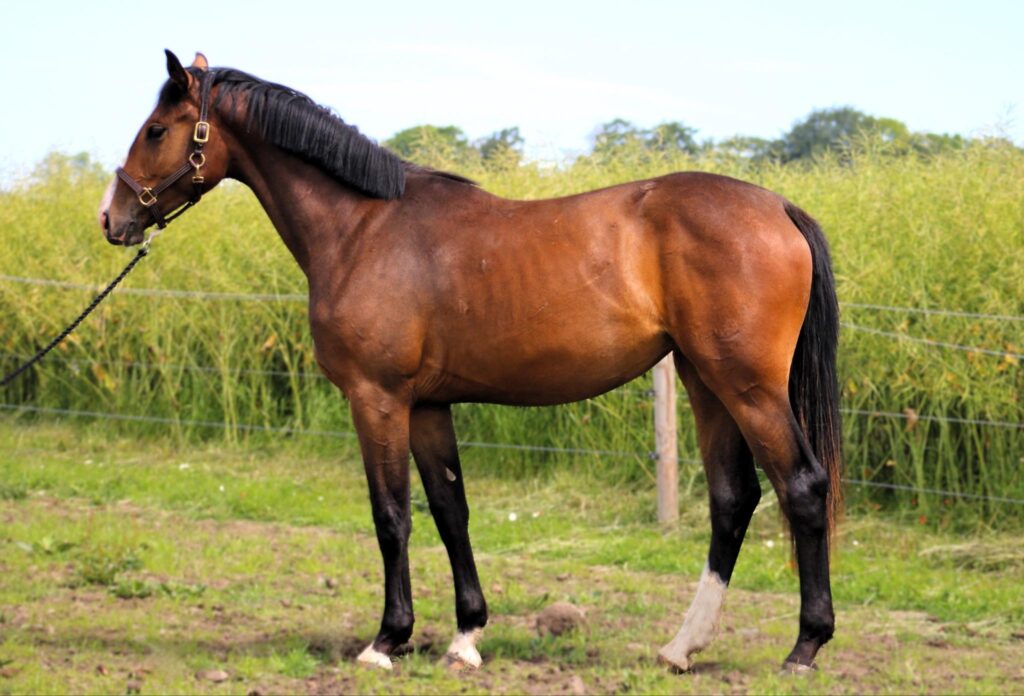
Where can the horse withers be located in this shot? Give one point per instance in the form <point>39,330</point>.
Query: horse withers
<point>426,291</point>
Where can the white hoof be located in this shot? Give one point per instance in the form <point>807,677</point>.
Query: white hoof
<point>797,668</point>
<point>374,658</point>
<point>678,660</point>
<point>462,652</point>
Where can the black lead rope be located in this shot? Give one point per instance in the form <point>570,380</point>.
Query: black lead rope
<point>143,251</point>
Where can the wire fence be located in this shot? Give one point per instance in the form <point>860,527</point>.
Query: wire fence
<point>298,297</point>
<point>346,434</point>
<point>289,297</point>
<point>935,344</point>
<point>633,391</point>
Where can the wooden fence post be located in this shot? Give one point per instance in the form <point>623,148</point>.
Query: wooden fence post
<point>666,444</point>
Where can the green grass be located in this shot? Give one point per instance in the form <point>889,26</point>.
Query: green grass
<point>943,232</point>
<point>121,566</point>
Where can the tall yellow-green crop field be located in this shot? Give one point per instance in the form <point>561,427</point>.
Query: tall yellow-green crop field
<point>932,400</point>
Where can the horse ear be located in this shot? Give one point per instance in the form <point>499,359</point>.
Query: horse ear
<point>200,61</point>
<point>177,73</point>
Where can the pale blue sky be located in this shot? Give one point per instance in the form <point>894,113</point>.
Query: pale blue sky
<point>82,75</point>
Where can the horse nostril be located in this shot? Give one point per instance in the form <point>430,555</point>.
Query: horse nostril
<point>106,221</point>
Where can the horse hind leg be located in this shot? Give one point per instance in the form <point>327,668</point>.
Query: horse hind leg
<point>801,482</point>
<point>734,493</point>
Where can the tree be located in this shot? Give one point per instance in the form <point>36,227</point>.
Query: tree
<point>750,148</point>
<point>672,136</point>
<point>616,135</point>
<point>619,136</point>
<point>432,144</point>
<point>504,145</point>
<point>825,129</point>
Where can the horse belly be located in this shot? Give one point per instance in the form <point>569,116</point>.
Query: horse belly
<point>551,365</point>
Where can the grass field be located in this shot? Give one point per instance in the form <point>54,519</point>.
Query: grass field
<point>135,565</point>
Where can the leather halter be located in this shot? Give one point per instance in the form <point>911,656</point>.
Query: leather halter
<point>200,135</point>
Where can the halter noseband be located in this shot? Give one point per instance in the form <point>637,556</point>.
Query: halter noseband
<point>200,135</point>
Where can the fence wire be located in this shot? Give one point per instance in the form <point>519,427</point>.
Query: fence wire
<point>934,312</point>
<point>297,297</point>
<point>246,427</point>
<point>935,344</point>
<point>643,393</point>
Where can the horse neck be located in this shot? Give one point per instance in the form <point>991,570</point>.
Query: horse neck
<point>311,211</point>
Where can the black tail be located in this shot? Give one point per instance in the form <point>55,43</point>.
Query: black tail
<point>813,383</point>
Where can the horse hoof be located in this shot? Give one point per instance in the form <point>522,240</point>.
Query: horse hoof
<point>372,657</point>
<point>462,653</point>
<point>676,665</point>
<point>797,668</point>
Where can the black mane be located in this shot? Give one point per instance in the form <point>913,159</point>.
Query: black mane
<point>292,121</point>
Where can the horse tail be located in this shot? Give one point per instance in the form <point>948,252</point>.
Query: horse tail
<point>813,382</point>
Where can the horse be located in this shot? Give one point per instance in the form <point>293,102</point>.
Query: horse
<point>427,291</point>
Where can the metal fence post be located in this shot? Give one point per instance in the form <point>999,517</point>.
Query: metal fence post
<point>665,440</point>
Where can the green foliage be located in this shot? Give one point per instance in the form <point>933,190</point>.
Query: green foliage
<point>447,147</point>
<point>137,588</point>
<point>619,138</point>
<point>431,143</point>
<point>13,491</point>
<point>504,147</point>
<point>843,129</point>
<point>935,231</point>
<point>102,564</point>
<point>131,589</point>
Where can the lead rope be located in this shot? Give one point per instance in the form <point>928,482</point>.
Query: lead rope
<point>143,251</point>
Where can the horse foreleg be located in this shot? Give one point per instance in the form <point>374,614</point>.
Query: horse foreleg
<point>734,493</point>
<point>437,458</point>
<point>383,426</point>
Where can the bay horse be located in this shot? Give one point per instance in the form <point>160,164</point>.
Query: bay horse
<point>426,291</point>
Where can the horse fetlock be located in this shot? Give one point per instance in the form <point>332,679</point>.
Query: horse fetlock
<point>817,626</point>
<point>471,613</point>
<point>394,631</point>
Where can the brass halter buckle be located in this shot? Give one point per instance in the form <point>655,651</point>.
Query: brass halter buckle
<point>146,197</point>
<point>201,133</point>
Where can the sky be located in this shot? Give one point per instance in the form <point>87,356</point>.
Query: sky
<point>82,76</point>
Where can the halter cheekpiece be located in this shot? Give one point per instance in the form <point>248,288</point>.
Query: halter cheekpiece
<point>194,163</point>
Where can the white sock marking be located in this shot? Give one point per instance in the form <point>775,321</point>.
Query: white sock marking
<point>700,623</point>
<point>463,648</point>
<point>374,658</point>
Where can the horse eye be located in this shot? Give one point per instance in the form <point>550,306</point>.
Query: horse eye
<point>155,132</point>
